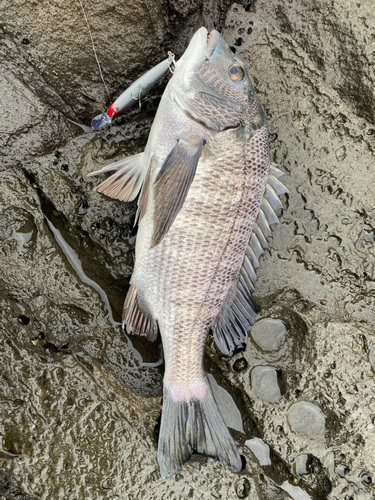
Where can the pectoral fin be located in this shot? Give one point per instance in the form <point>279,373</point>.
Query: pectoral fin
<point>172,185</point>
<point>127,180</point>
<point>143,197</point>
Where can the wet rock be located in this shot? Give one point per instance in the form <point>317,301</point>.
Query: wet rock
<point>28,125</point>
<point>268,333</point>
<point>264,383</point>
<point>306,418</point>
<point>323,31</point>
<point>49,68</point>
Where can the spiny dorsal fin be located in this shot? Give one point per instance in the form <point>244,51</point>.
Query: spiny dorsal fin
<point>126,182</point>
<point>277,185</point>
<point>135,321</point>
<point>172,184</point>
<point>239,312</point>
<point>274,170</point>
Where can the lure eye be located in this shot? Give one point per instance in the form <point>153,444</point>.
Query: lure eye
<point>236,72</point>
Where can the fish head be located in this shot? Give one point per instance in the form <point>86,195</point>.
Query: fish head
<point>212,81</point>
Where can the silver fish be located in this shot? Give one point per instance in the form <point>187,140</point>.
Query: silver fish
<point>203,224</point>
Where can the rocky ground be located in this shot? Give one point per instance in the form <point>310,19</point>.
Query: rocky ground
<point>79,400</point>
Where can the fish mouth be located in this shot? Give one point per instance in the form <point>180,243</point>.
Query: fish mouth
<point>212,42</point>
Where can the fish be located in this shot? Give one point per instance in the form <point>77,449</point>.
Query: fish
<point>208,196</point>
<point>138,90</point>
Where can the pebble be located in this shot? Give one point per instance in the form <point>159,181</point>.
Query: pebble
<point>269,333</point>
<point>301,464</point>
<point>295,492</point>
<point>228,408</point>
<point>264,383</point>
<point>306,418</point>
<point>260,449</point>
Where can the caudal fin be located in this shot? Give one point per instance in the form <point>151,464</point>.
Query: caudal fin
<point>196,425</point>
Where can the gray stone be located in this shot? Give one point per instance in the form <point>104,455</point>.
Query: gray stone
<point>264,383</point>
<point>306,418</point>
<point>260,449</point>
<point>268,333</point>
<point>295,492</point>
<point>301,462</point>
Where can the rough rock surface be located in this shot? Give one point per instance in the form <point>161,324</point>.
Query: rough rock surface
<point>79,400</point>
<point>339,38</point>
<point>49,71</point>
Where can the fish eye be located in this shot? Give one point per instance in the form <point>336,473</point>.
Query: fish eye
<point>236,72</point>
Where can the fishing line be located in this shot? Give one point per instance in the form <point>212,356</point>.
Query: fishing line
<point>93,47</point>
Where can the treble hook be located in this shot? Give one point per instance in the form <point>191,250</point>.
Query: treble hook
<point>139,96</point>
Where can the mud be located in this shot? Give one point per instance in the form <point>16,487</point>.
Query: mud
<point>80,400</point>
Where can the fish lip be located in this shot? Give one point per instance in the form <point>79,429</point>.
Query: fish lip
<point>212,43</point>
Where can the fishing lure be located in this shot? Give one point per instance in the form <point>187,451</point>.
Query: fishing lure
<point>138,90</point>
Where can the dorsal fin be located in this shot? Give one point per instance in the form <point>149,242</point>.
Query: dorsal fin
<point>277,172</point>
<point>127,180</point>
<point>135,321</point>
<point>239,312</point>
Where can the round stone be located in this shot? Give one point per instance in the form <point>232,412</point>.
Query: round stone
<point>264,383</point>
<point>269,333</point>
<point>306,418</point>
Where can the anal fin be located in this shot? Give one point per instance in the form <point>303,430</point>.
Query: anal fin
<point>134,320</point>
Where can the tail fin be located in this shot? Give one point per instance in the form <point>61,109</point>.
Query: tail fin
<point>193,425</point>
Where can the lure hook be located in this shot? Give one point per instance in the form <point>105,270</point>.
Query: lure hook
<point>139,96</point>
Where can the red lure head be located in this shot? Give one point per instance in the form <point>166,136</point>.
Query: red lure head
<point>110,111</point>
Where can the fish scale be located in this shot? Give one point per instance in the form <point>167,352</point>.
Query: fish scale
<point>232,260</point>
